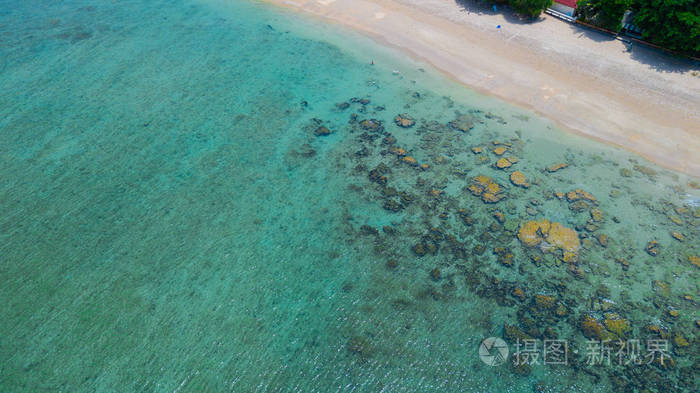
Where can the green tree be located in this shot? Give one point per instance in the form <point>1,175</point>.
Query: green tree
<point>604,13</point>
<point>530,8</point>
<point>673,24</point>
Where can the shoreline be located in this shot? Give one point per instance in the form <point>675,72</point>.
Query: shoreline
<point>649,105</point>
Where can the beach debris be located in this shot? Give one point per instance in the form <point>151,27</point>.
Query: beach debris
<point>556,167</point>
<point>404,120</point>
<point>518,179</point>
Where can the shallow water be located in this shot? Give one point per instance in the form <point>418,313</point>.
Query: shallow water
<point>170,221</point>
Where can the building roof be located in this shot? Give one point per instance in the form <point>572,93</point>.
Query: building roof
<point>568,3</point>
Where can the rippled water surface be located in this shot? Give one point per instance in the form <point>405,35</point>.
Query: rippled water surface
<point>219,196</point>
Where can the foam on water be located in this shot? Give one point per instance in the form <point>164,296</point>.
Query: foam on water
<point>170,222</point>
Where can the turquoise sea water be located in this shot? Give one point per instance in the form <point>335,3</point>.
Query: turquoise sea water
<point>171,222</point>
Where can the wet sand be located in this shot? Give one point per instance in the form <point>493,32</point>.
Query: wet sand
<point>639,99</point>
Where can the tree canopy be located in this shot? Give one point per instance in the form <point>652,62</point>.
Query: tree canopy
<point>604,13</point>
<point>673,24</point>
<point>530,8</point>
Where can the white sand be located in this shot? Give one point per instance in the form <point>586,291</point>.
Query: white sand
<point>587,82</point>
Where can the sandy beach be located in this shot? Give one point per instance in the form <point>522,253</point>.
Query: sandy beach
<point>589,83</point>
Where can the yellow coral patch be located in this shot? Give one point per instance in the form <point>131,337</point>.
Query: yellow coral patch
<point>579,194</point>
<point>493,188</point>
<point>532,232</point>
<point>597,215</point>
<point>563,238</point>
<point>555,235</point>
<point>556,167</point>
<point>617,326</point>
<point>518,178</point>
<point>503,163</point>
<point>695,260</point>
<point>410,160</point>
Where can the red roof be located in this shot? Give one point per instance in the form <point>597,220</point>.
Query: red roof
<point>570,3</point>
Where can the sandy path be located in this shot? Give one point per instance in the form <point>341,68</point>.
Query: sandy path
<point>641,100</point>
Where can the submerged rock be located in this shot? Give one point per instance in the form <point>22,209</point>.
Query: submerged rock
<point>322,131</point>
<point>694,260</point>
<point>556,167</point>
<point>545,302</point>
<point>398,151</point>
<point>372,125</point>
<point>653,248</point>
<point>404,120</point>
<point>593,329</point>
<point>463,123</point>
<point>477,149</point>
<point>505,257</point>
<point>617,325</point>
<point>603,240</point>
<point>518,293</point>
<point>579,206</point>
<point>579,194</point>
<point>360,346</point>
<point>597,215</point>
<point>410,160</point>
<point>678,236</point>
